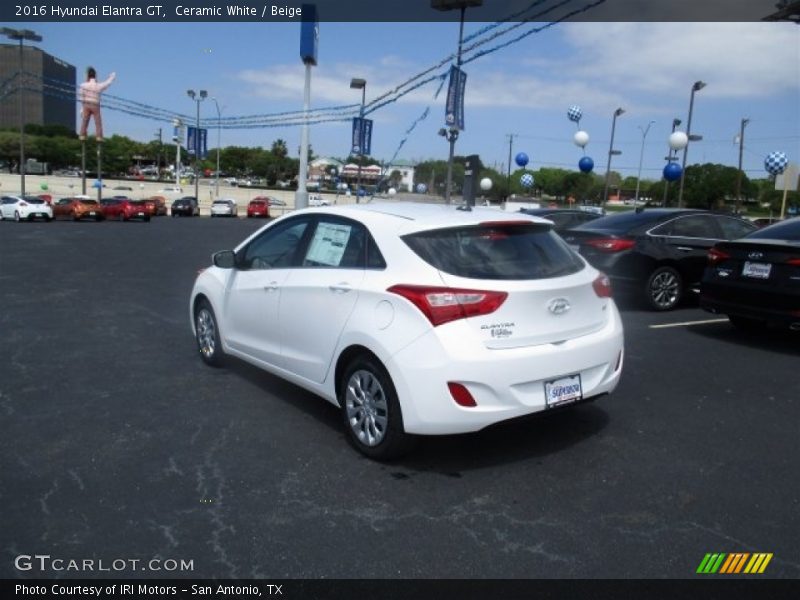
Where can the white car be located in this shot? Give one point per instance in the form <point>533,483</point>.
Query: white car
<point>224,207</point>
<point>25,208</point>
<point>414,318</point>
<point>317,200</point>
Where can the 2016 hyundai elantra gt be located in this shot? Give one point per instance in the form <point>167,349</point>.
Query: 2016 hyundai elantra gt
<point>414,318</point>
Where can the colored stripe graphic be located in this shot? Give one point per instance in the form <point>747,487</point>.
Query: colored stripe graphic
<point>734,563</point>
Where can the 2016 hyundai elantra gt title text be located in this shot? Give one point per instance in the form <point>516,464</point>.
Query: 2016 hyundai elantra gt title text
<point>414,318</point>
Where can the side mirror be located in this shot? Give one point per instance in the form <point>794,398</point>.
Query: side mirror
<point>224,259</point>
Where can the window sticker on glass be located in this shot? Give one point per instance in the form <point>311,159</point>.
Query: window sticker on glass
<point>327,246</point>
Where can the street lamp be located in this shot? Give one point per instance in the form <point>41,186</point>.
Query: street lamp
<point>669,158</point>
<point>739,173</point>
<point>697,86</point>
<point>359,84</point>
<point>198,98</point>
<point>611,152</point>
<point>21,35</point>
<point>451,135</point>
<point>219,142</point>
<point>641,156</point>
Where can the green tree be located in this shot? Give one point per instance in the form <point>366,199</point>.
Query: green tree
<point>710,185</point>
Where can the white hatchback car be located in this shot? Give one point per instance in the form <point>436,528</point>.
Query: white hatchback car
<point>25,208</point>
<point>224,207</point>
<point>414,318</point>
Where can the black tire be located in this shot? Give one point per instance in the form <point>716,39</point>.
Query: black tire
<point>121,217</point>
<point>147,219</point>
<point>664,289</point>
<point>746,323</point>
<point>207,335</point>
<point>371,414</point>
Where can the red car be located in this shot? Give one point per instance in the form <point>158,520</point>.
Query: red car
<point>124,209</point>
<point>258,207</point>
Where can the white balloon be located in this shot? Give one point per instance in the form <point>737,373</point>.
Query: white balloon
<point>581,138</point>
<point>392,191</point>
<point>678,140</point>
<point>486,184</point>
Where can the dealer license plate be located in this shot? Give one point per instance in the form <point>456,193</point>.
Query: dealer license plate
<point>756,270</point>
<point>563,390</point>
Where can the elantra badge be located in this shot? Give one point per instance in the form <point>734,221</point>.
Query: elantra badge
<point>559,306</point>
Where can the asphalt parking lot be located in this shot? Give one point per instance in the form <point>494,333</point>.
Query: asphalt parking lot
<point>118,443</point>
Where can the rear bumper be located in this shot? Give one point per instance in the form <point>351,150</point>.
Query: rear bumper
<point>727,306</point>
<point>505,383</point>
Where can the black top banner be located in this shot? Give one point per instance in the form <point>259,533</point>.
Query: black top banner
<point>398,10</point>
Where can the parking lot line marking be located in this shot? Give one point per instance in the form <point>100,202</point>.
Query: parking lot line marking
<point>687,323</point>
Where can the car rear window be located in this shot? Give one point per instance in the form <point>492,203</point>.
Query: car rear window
<point>516,251</point>
<point>620,222</point>
<point>785,230</point>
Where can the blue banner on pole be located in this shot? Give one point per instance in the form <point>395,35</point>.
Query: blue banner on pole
<point>197,141</point>
<point>362,136</point>
<point>454,109</point>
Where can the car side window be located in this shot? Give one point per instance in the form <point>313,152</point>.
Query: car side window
<point>695,226</point>
<point>733,229</point>
<point>374,257</point>
<point>336,243</point>
<point>275,248</point>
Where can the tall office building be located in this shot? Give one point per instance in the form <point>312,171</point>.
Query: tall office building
<point>46,78</point>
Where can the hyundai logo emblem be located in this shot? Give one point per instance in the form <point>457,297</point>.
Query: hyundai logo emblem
<point>558,306</point>
<point>756,255</point>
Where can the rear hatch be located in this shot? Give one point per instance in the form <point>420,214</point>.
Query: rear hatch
<point>548,294</point>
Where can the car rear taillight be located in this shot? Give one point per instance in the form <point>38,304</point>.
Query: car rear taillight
<point>461,394</point>
<point>794,262</point>
<point>602,286</point>
<point>443,304</point>
<point>611,245</point>
<point>716,255</point>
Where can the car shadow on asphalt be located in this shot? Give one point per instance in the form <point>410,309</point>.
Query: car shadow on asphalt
<point>769,339</point>
<point>521,439</point>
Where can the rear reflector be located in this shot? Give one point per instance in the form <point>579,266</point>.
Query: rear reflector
<point>443,304</point>
<point>602,286</point>
<point>461,395</point>
<point>611,245</point>
<point>716,255</point>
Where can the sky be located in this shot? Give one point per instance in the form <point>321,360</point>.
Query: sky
<point>752,71</point>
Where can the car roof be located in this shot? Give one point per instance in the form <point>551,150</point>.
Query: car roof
<point>407,217</point>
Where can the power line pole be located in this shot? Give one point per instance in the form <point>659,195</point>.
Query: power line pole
<point>158,155</point>
<point>739,172</point>
<point>510,137</point>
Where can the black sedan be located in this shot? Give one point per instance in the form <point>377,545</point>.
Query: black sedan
<point>659,252</point>
<point>563,218</point>
<point>756,280</point>
<point>186,207</point>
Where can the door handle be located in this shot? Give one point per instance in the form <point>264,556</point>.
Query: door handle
<point>341,288</point>
<point>271,286</point>
<point>684,248</point>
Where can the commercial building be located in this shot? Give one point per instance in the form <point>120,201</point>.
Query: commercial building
<point>49,88</point>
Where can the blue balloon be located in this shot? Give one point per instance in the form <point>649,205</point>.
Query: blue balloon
<point>521,159</point>
<point>776,163</point>
<point>672,171</point>
<point>586,164</point>
<point>97,184</point>
<point>421,188</point>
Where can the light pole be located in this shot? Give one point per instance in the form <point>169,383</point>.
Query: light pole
<point>198,98</point>
<point>739,173</point>
<point>641,156</point>
<point>611,152</point>
<point>697,86</point>
<point>452,134</point>
<point>668,158</point>
<point>360,84</point>
<point>219,144</point>
<point>21,35</point>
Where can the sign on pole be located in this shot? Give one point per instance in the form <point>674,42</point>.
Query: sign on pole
<point>197,141</point>
<point>362,136</point>
<point>454,109</point>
